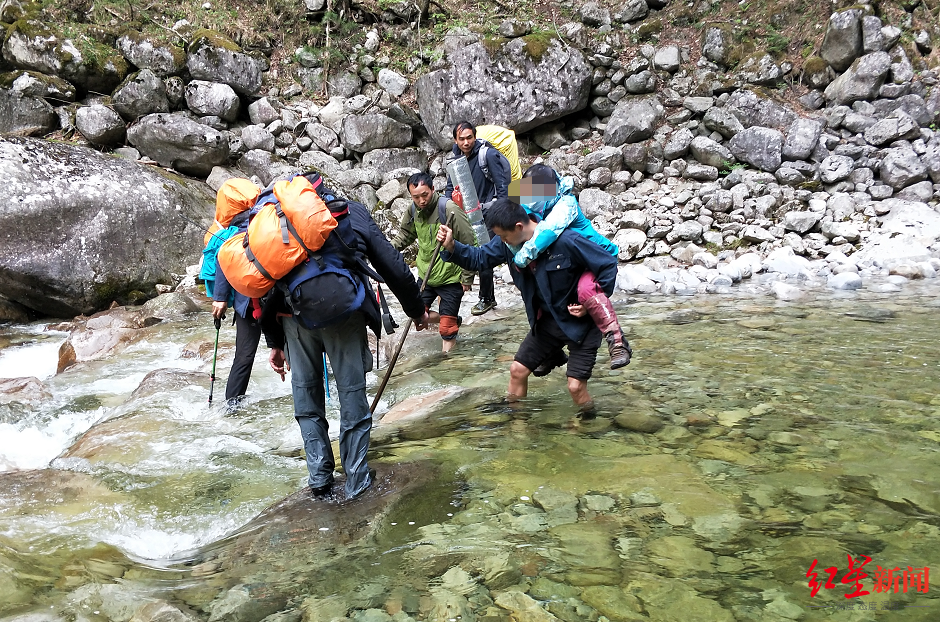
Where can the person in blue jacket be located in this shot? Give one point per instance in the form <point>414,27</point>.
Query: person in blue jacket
<point>549,290</point>
<point>247,330</point>
<point>543,193</point>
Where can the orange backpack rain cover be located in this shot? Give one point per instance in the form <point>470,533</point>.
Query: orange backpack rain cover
<point>235,196</point>
<point>252,262</point>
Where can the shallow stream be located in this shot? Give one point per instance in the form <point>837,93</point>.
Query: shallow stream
<point>747,439</point>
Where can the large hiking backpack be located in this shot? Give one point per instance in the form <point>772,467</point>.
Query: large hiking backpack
<point>235,197</point>
<point>288,224</point>
<point>504,139</point>
<point>328,287</point>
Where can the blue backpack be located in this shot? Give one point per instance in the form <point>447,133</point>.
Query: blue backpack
<point>329,286</point>
<point>210,264</point>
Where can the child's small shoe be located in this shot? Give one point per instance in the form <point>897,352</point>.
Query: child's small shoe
<point>619,349</point>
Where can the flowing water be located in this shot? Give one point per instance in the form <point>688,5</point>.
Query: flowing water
<point>747,439</point>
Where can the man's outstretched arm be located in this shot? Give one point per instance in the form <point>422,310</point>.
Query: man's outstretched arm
<point>474,258</point>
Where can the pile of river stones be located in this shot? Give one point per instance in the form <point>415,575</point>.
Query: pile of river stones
<point>706,170</point>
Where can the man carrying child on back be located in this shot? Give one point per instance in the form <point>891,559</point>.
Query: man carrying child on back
<point>551,198</point>
<point>549,290</point>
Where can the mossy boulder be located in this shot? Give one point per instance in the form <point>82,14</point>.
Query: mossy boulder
<point>35,84</point>
<point>216,58</point>
<point>152,52</point>
<point>76,54</point>
<point>143,240</point>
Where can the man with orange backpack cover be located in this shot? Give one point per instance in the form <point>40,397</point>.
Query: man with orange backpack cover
<point>298,339</point>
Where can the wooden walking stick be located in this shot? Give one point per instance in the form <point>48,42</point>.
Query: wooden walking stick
<point>401,342</point>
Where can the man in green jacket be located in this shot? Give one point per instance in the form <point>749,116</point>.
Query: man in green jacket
<point>447,281</point>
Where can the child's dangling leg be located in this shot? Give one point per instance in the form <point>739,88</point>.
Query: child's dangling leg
<point>598,306</point>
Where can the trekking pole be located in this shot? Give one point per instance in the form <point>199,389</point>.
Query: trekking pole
<point>215,353</point>
<point>326,378</point>
<point>401,342</point>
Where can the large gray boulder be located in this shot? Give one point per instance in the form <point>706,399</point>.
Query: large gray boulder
<point>100,125</point>
<point>634,120</point>
<point>215,58</point>
<point>212,98</point>
<point>141,94</point>
<point>802,137</point>
<point>178,142</point>
<point>678,144</point>
<point>753,109</point>
<point>717,42</point>
<point>522,84</point>
<point>150,52</point>
<point>901,167</point>
<point>722,121</point>
<point>835,168</point>
<point>861,81</point>
<point>323,137</point>
<point>83,229</point>
<point>25,116</point>
<point>707,151</point>
<point>374,131</point>
<point>388,160</point>
<point>842,42</point>
<point>761,147</point>
<point>898,125</point>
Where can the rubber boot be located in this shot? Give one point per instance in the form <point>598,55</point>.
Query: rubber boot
<point>602,312</point>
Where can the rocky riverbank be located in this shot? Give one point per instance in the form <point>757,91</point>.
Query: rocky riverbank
<point>704,166</point>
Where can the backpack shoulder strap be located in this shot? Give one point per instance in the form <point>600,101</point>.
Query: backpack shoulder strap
<point>441,209</point>
<point>481,160</point>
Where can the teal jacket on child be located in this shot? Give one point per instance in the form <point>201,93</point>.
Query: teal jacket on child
<point>556,215</point>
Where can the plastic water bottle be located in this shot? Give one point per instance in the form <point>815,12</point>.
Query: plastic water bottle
<point>459,172</point>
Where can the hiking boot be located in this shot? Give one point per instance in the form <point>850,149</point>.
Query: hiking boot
<point>619,349</point>
<point>483,306</point>
<point>557,359</point>
<point>322,493</point>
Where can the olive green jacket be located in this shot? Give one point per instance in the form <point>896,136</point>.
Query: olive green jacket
<point>423,227</point>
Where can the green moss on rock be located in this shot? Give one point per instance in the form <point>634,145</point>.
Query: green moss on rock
<point>649,28</point>
<point>493,45</point>
<point>814,65</point>
<point>537,44</point>
<point>214,38</point>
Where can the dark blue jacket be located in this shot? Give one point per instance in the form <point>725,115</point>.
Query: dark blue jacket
<point>499,170</point>
<point>552,278</point>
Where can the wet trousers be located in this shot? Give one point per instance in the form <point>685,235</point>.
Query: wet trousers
<point>347,348</point>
